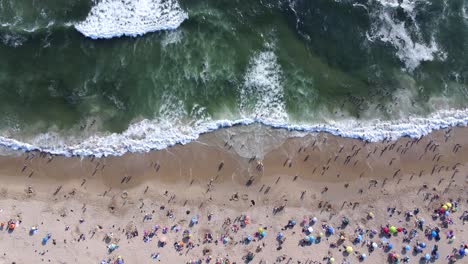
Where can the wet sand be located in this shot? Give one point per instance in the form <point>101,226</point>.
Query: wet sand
<point>318,175</point>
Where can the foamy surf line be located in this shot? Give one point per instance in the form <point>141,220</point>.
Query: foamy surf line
<point>116,18</point>
<point>119,144</point>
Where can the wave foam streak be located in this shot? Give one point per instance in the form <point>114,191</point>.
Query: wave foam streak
<point>262,93</point>
<point>115,18</point>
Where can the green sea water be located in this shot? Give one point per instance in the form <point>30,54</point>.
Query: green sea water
<point>288,61</point>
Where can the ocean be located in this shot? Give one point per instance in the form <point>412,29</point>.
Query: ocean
<point>106,77</point>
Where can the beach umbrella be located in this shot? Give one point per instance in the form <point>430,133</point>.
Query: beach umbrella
<point>448,204</point>
<point>310,229</point>
<point>407,247</point>
<point>358,238</point>
<point>433,233</point>
<point>399,229</point>
<point>418,249</point>
<point>385,230</point>
<point>320,235</point>
<point>427,257</point>
<point>263,234</point>
<point>363,256</point>
<point>374,245</point>
<point>314,219</point>
<point>331,260</point>
<point>461,252</point>
<point>422,245</point>
<point>392,229</point>
<point>330,230</point>
<point>306,239</point>
<point>371,215</point>
<point>390,246</point>
<point>280,236</point>
<point>249,238</point>
<point>260,230</point>
<point>445,207</point>
<point>349,249</point>
<point>312,239</point>
<point>225,240</point>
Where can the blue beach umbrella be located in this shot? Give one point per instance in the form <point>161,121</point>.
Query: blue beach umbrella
<point>280,236</point>
<point>358,238</point>
<point>422,245</point>
<point>330,230</point>
<point>427,257</point>
<point>407,247</point>
<point>390,246</point>
<point>433,233</point>
<point>311,239</point>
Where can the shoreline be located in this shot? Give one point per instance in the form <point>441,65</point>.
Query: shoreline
<point>152,135</point>
<point>316,175</point>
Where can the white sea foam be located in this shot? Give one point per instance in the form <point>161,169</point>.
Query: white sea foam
<point>115,18</point>
<point>148,135</point>
<point>411,50</point>
<point>262,92</point>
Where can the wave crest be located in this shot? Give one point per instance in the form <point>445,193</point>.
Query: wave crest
<point>116,18</point>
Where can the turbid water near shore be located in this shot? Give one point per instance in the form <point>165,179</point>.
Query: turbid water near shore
<point>359,68</point>
<point>87,204</point>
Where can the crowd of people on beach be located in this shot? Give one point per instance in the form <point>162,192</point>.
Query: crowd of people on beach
<point>418,244</point>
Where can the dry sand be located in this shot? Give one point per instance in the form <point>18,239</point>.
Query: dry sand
<point>318,175</point>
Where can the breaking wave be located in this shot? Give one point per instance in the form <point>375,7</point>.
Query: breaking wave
<point>405,37</point>
<point>115,18</point>
<point>150,135</point>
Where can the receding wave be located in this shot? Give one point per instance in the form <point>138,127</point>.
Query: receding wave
<point>115,18</point>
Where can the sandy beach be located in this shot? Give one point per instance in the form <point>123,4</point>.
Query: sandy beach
<point>317,198</point>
